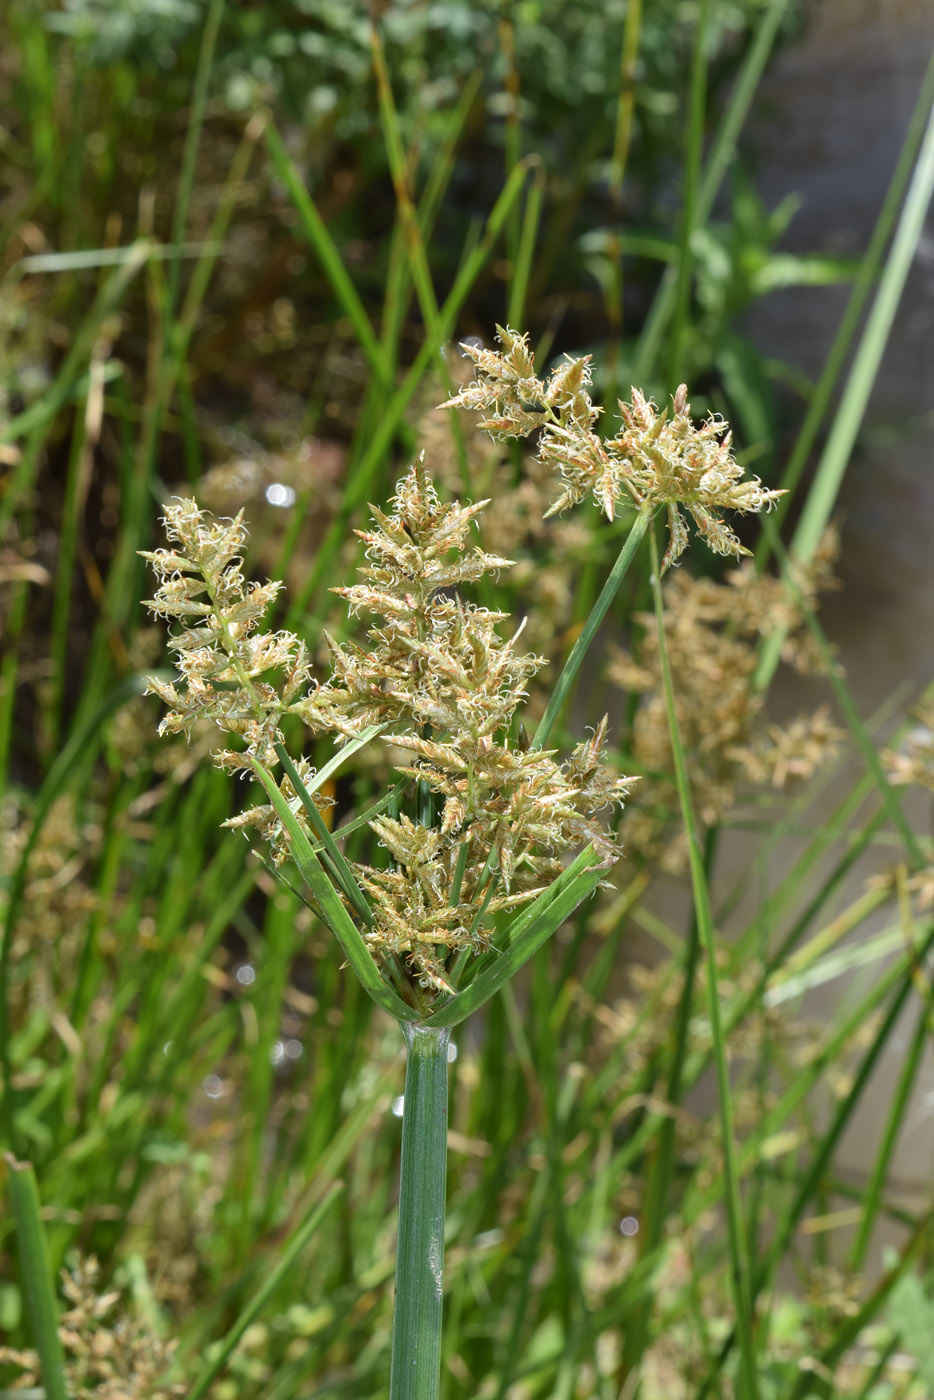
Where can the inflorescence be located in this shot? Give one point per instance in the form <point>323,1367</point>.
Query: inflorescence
<point>489,818</point>
<point>659,458</point>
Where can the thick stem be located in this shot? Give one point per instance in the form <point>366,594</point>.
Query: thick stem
<point>416,1326</point>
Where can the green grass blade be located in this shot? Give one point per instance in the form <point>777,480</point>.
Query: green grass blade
<point>722,153</point>
<point>828,1142</point>
<point>823,492</point>
<point>332,852</point>
<point>286,1260</point>
<point>359,487</point>
<point>694,145</point>
<point>398,278</point>
<point>80,748</point>
<point>597,613</point>
<point>208,252</point>
<point>411,229</point>
<point>544,916</point>
<point>37,1276</point>
<point>186,180</point>
<point>895,1121</point>
<point>329,903</point>
<point>326,251</point>
<point>740,1276</point>
<point>866,276</point>
<point>659,1176</point>
<point>848,1331</point>
<point>36,418</point>
<point>416,1324</point>
<point>525,251</point>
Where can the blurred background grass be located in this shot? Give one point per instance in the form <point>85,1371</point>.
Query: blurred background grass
<point>238,244</point>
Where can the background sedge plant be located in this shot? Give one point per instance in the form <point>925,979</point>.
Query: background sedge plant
<point>478,828</point>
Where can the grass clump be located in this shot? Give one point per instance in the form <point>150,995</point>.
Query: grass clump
<point>194,1090</point>
<point>490,815</point>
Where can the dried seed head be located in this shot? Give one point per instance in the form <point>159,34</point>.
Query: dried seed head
<point>230,672</point>
<point>109,1352</point>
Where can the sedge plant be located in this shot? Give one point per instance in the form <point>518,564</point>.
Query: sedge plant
<point>479,834</point>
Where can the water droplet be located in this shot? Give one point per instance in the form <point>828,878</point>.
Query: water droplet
<point>278,494</point>
<point>398,1104</point>
<point>629,1225</point>
<point>293,1048</point>
<point>277,1053</point>
<point>167,1047</point>
<point>452,1052</point>
<point>245,974</point>
<point>213,1086</point>
<point>473,341</point>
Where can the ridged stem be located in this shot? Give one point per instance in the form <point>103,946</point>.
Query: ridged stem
<point>416,1326</point>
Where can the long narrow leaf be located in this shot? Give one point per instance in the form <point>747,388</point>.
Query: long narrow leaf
<point>286,1260</point>
<point>391,417</point>
<point>740,1276</point>
<point>332,852</point>
<point>37,1276</point>
<point>823,491</point>
<point>862,286</point>
<point>536,931</point>
<point>321,241</point>
<point>332,910</point>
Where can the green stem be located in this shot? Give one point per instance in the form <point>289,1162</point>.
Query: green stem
<point>694,143</point>
<point>416,1327</point>
<point>739,1261</point>
<point>41,1307</point>
<point>597,613</point>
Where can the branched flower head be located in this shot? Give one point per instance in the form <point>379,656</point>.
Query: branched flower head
<point>231,672</point>
<point>109,1352</point>
<point>223,659</point>
<point>494,816</point>
<point>660,458</point>
<point>491,818</point>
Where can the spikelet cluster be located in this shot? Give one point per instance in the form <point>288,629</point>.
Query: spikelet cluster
<point>548,553</point>
<point>487,819</point>
<point>493,816</point>
<point>660,458</point>
<point>109,1352</point>
<point>223,658</point>
<point>232,673</point>
<point>712,632</point>
<point>911,764</point>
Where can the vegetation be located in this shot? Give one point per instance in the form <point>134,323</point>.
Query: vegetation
<point>240,250</point>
